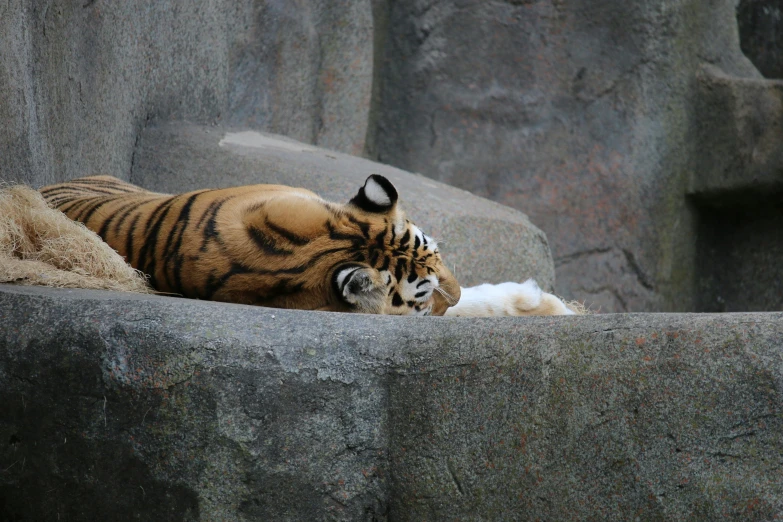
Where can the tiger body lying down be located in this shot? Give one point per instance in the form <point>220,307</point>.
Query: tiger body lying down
<point>285,247</point>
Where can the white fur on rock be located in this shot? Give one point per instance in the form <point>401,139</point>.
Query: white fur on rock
<point>507,299</point>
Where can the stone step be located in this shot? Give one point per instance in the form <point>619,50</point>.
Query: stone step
<point>118,406</point>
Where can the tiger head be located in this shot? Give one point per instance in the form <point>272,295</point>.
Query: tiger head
<point>400,271</point>
<point>296,250</point>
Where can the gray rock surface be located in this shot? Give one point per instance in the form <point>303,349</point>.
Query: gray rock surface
<point>481,241</point>
<point>79,80</point>
<point>591,117</point>
<point>761,34</point>
<point>120,407</point>
<point>736,192</point>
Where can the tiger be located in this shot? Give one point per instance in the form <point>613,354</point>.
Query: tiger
<point>286,247</point>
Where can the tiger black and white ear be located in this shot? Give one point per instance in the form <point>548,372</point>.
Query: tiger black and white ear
<point>358,286</point>
<point>376,195</point>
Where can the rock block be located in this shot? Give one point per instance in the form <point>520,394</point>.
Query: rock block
<point>120,407</point>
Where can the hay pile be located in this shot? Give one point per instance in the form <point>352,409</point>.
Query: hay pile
<point>41,246</point>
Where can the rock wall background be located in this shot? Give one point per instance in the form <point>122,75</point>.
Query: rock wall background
<point>80,80</point>
<point>600,120</point>
<point>633,133</point>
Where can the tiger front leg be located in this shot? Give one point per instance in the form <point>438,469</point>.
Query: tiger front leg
<point>507,299</point>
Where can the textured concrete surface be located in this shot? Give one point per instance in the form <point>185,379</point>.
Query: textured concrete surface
<point>120,407</point>
<point>79,80</point>
<point>592,118</point>
<point>481,241</point>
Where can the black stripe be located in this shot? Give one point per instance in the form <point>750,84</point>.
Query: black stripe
<point>287,234</point>
<point>129,242</point>
<point>423,282</point>
<point>301,268</point>
<point>60,199</point>
<point>210,227</point>
<point>416,243</point>
<point>172,249</point>
<point>363,226</point>
<point>420,294</point>
<point>73,206</point>
<point>91,191</point>
<point>255,207</point>
<point>164,205</point>
<point>265,243</point>
<point>118,186</point>
<point>397,300</point>
<point>105,227</point>
<point>151,232</point>
<point>379,239</point>
<point>405,238</point>
<point>57,190</point>
<point>282,288</point>
<point>126,212</point>
<point>398,270</point>
<point>412,276</point>
<point>385,266</point>
<point>92,211</point>
<point>88,209</point>
<point>339,236</point>
<point>211,208</point>
<point>216,283</point>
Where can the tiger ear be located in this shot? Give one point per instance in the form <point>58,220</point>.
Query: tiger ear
<point>376,195</point>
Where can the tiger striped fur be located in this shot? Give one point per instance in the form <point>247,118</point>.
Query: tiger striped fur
<point>269,245</point>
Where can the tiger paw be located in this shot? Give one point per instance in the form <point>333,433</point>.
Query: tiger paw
<point>507,299</point>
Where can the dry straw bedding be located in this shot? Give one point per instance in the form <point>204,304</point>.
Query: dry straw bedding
<point>41,246</point>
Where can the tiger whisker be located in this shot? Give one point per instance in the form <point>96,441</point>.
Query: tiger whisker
<point>449,298</point>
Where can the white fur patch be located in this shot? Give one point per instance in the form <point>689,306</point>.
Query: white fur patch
<point>507,299</point>
<point>376,193</point>
<point>399,227</point>
<point>424,286</point>
<point>424,238</point>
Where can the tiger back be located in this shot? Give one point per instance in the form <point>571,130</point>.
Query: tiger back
<point>269,245</point>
